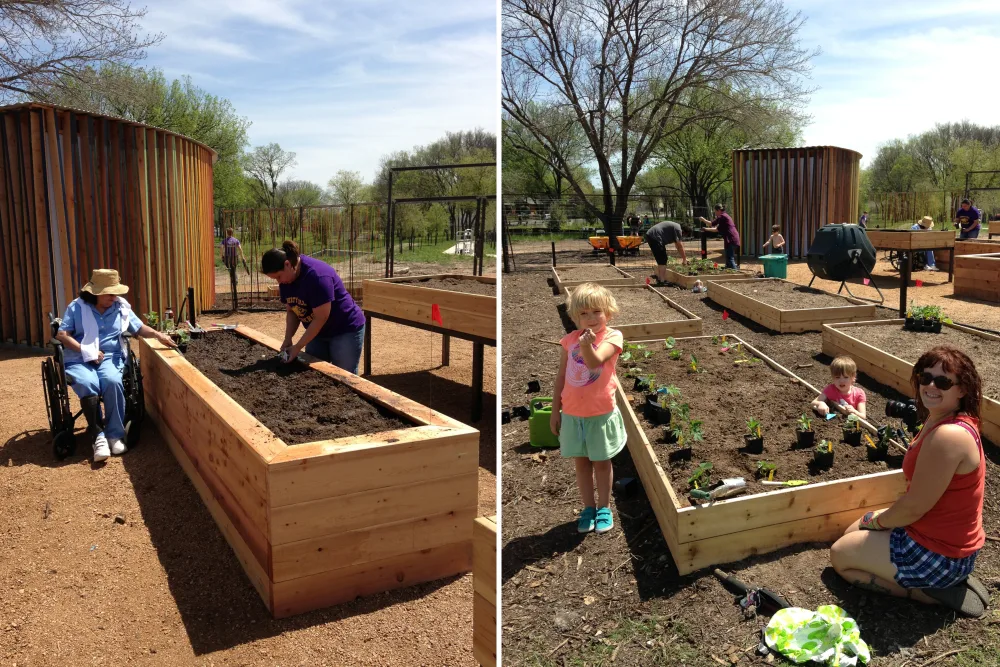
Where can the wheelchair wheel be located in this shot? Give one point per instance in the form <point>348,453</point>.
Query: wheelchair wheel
<point>52,403</point>
<point>64,444</point>
<point>135,403</point>
<point>893,258</point>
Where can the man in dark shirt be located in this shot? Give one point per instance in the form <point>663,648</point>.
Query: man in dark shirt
<point>726,228</point>
<point>863,220</point>
<point>968,220</point>
<point>658,236</point>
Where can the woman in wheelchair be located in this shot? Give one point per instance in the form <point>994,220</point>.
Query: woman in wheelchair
<point>91,331</point>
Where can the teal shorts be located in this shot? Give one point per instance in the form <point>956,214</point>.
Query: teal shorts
<point>597,438</point>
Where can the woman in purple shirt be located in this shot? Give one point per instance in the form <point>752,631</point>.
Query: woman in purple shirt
<point>726,228</point>
<point>315,295</point>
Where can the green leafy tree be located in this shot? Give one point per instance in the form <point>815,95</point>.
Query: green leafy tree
<point>264,166</point>
<point>348,187</point>
<point>295,193</point>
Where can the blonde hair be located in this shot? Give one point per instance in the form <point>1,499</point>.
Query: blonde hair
<point>591,296</point>
<point>843,367</point>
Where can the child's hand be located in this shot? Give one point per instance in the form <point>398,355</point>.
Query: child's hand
<point>588,337</point>
<point>821,408</point>
<point>555,421</point>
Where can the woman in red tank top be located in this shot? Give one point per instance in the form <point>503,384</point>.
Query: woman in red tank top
<point>924,546</point>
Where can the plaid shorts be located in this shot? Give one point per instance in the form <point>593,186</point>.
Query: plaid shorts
<point>919,567</point>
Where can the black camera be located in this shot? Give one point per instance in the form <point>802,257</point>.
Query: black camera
<point>905,410</point>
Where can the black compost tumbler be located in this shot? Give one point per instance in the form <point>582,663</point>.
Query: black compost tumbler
<point>834,250</point>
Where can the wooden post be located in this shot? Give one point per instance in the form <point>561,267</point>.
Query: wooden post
<point>477,381</point>
<point>704,244</point>
<point>905,268</point>
<point>951,262</point>
<point>368,344</point>
<point>445,350</point>
<point>553,253</point>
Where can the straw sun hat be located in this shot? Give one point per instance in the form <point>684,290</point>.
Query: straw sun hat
<point>105,281</point>
<point>927,222</point>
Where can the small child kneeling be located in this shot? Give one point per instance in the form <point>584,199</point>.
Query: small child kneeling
<point>584,415</point>
<point>842,391</point>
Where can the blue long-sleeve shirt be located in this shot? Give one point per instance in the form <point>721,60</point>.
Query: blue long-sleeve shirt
<point>108,325</point>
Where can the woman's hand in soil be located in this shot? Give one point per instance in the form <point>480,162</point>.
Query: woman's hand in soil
<point>285,344</point>
<point>293,353</point>
<point>555,422</point>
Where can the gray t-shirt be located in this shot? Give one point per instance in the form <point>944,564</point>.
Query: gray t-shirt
<point>665,232</point>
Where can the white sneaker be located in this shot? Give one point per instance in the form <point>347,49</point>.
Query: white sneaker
<point>101,451</point>
<point>117,446</point>
<point>932,268</point>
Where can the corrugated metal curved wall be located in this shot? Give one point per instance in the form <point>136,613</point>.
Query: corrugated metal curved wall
<point>800,189</point>
<point>79,191</point>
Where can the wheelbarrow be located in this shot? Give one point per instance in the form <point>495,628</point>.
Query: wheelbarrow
<point>629,244</point>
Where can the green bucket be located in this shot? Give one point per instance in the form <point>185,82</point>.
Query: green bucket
<point>775,266</point>
<point>539,429</point>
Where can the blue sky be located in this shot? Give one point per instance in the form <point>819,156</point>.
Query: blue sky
<point>339,83</point>
<point>891,69</point>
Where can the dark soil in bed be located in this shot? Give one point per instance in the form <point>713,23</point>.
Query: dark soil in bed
<point>590,272</point>
<point>909,345</point>
<point>297,403</point>
<point>724,396</point>
<point>787,296</point>
<point>693,270</point>
<point>641,306</point>
<point>456,285</point>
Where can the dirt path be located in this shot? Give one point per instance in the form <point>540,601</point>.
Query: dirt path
<point>617,599</point>
<point>164,588</point>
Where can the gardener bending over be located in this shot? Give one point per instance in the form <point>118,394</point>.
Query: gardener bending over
<point>658,236</point>
<point>91,333</point>
<point>727,230</point>
<point>925,545</point>
<point>315,295</point>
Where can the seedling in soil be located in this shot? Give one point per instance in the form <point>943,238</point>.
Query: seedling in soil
<point>877,451</point>
<point>823,454</point>
<point>645,383</point>
<point>153,319</point>
<point>674,354</point>
<point>753,427</point>
<point>670,343</point>
<point>852,431</point>
<point>702,475</point>
<point>693,365</point>
<point>634,372</point>
<point>754,440</point>
<point>766,469</point>
<point>805,436</point>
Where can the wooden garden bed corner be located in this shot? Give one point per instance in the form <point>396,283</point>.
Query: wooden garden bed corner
<point>687,282</point>
<point>484,581</point>
<point>730,530</point>
<point>562,284</point>
<point>895,372</point>
<point>320,523</point>
<point>691,324</point>
<point>788,321</point>
<point>978,276</point>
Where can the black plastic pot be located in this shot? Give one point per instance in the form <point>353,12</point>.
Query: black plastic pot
<point>936,327</point>
<point>641,385</point>
<point>668,435</point>
<point>182,347</point>
<point>894,460</point>
<point>679,454</point>
<point>910,322</point>
<point>805,439</point>
<point>823,459</point>
<point>853,438</point>
<point>505,417</point>
<point>197,333</point>
<point>534,386</point>
<point>875,454</point>
<point>655,413</point>
<point>753,445</point>
<point>521,411</point>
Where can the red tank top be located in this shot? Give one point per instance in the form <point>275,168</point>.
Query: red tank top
<point>954,526</point>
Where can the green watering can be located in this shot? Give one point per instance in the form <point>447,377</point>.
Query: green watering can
<point>538,423</point>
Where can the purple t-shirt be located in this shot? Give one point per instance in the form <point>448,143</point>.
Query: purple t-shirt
<point>971,218</point>
<point>317,284</point>
<point>230,251</point>
<point>727,229</point>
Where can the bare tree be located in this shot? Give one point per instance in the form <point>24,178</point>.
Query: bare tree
<point>347,188</point>
<point>622,70</point>
<point>48,42</point>
<point>264,166</point>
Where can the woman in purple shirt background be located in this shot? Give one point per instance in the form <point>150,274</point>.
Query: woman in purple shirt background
<point>315,295</point>
<point>726,228</point>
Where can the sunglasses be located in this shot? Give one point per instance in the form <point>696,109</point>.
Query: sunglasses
<point>940,381</point>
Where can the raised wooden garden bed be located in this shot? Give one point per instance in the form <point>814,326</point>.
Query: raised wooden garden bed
<point>907,239</point>
<point>978,276</point>
<point>769,302</point>
<point>571,275</point>
<point>664,318</point>
<point>484,583</point>
<point>687,282</point>
<point>730,530</point>
<point>895,371</point>
<point>319,523</point>
<point>467,306</point>
<point>978,246</point>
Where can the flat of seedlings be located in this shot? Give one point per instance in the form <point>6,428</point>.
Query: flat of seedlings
<point>724,394</point>
<point>723,397</point>
<point>787,307</point>
<point>320,522</point>
<point>886,351</point>
<point>687,276</point>
<point>645,312</point>
<point>296,403</point>
<point>571,275</point>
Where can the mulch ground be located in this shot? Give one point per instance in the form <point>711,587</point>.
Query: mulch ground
<point>297,403</point>
<point>616,599</point>
<point>786,296</point>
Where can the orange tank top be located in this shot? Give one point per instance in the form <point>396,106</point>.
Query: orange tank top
<point>954,526</point>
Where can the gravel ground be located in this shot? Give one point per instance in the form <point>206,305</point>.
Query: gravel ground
<point>164,588</point>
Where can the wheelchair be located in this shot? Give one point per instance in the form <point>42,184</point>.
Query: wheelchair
<point>895,258</point>
<point>62,421</point>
